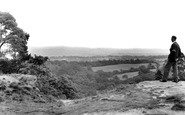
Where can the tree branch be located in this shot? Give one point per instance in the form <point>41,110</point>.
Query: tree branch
<point>2,44</point>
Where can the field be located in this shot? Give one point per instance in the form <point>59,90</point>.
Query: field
<point>130,74</point>
<point>118,67</point>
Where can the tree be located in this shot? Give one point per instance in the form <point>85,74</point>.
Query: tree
<point>13,40</point>
<point>143,69</point>
<point>150,66</point>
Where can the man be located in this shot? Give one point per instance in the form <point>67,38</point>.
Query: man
<point>175,53</point>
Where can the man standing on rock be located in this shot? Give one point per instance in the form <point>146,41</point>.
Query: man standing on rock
<point>175,53</point>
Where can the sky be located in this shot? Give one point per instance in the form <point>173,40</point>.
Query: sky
<point>100,23</point>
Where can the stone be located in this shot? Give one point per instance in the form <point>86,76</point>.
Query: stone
<point>178,107</point>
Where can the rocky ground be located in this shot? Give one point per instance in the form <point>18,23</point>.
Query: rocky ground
<point>145,98</point>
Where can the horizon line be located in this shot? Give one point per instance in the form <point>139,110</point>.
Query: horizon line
<point>92,47</point>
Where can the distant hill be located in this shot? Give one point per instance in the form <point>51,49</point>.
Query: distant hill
<point>80,51</point>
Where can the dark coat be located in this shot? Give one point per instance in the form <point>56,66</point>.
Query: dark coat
<point>175,52</point>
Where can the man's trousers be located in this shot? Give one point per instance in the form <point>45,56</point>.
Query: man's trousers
<point>167,70</point>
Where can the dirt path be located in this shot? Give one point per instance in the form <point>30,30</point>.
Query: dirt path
<point>145,98</point>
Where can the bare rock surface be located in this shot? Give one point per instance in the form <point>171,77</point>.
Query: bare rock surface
<point>144,98</point>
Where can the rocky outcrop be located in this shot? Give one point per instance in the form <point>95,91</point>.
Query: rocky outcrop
<point>144,98</point>
<point>20,87</point>
<point>180,66</point>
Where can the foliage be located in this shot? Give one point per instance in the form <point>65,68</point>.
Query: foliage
<point>34,65</point>
<point>151,66</point>
<point>58,87</point>
<point>125,77</point>
<point>37,60</point>
<point>60,79</point>
<point>12,37</point>
<point>142,77</point>
<point>15,40</point>
<point>81,78</point>
<point>143,69</point>
<point>64,67</point>
<point>114,62</point>
<point>9,66</point>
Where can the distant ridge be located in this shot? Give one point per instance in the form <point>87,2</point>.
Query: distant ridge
<point>80,51</point>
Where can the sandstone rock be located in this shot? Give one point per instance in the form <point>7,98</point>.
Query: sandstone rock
<point>14,85</point>
<point>178,107</point>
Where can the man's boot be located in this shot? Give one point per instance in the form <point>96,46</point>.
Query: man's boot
<point>163,80</point>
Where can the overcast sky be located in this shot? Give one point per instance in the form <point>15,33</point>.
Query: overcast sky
<point>100,23</point>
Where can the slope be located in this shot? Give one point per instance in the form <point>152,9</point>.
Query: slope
<point>144,98</point>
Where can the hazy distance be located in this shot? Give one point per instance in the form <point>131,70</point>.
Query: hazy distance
<point>82,51</point>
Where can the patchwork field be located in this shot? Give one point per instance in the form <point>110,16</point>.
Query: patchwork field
<point>127,75</point>
<point>118,67</point>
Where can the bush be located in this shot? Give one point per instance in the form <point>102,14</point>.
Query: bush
<point>57,87</point>
<point>143,77</point>
<point>9,66</point>
<point>82,78</point>
<point>125,77</point>
<point>47,83</point>
<point>151,66</point>
<point>26,65</point>
<point>143,70</point>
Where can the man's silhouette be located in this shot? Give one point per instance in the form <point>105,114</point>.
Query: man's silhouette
<point>175,53</point>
